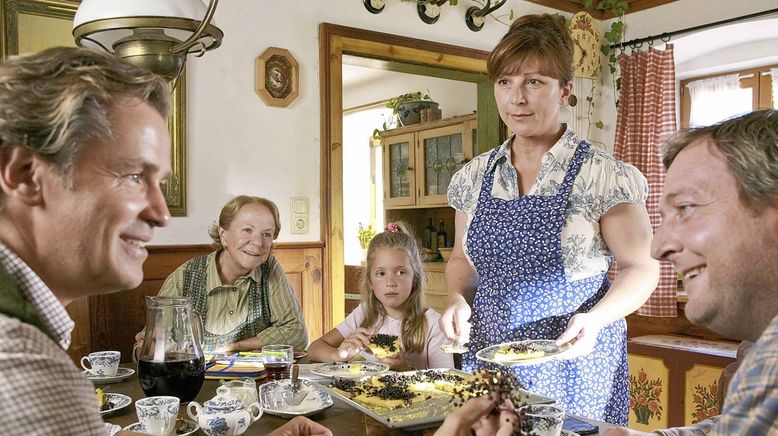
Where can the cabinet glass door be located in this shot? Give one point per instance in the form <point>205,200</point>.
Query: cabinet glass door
<point>443,154</point>
<point>399,176</point>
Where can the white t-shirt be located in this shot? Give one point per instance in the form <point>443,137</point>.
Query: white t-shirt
<point>431,357</point>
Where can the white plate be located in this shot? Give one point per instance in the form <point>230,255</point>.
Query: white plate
<point>349,370</point>
<point>191,427</point>
<point>120,375</point>
<point>271,398</point>
<point>548,345</point>
<point>118,401</point>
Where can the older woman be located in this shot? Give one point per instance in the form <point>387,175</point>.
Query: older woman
<point>538,221</point>
<point>240,289</point>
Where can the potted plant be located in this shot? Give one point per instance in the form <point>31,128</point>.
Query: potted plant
<point>365,234</point>
<point>406,110</point>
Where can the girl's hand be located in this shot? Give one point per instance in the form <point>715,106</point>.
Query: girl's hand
<point>581,335</point>
<point>396,362</point>
<point>454,321</point>
<point>352,345</point>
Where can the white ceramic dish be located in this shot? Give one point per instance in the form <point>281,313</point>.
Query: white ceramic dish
<point>271,399</point>
<point>184,427</point>
<point>117,401</point>
<point>547,345</point>
<point>349,370</point>
<point>121,374</point>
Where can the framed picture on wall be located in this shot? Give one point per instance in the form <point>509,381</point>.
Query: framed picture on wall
<point>28,26</point>
<point>277,77</point>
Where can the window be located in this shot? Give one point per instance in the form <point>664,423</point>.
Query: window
<point>708,99</point>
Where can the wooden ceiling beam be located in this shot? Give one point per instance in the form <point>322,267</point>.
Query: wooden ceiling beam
<point>577,5</point>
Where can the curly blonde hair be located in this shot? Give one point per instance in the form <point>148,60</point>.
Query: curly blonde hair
<point>231,209</point>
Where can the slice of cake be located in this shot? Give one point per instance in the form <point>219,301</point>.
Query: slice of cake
<point>518,351</point>
<point>383,345</point>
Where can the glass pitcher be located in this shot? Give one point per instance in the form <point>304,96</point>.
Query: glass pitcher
<point>171,361</point>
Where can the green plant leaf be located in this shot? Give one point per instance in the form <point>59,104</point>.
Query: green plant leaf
<point>599,124</point>
<point>618,27</point>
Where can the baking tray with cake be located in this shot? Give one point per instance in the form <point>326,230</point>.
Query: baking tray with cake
<point>410,400</point>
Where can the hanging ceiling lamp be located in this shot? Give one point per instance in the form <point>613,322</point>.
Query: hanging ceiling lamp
<point>153,34</point>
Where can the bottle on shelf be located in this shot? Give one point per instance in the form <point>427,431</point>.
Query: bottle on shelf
<point>442,236</point>
<point>430,235</point>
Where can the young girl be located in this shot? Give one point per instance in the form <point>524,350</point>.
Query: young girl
<point>392,303</point>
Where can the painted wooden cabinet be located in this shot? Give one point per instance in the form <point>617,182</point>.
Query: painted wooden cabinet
<point>674,380</point>
<point>419,160</point>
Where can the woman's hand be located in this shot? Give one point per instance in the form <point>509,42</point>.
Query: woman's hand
<point>481,416</point>
<point>249,344</point>
<point>354,343</point>
<point>301,426</point>
<point>581,335</point>
<point>454,323</point>
<point>139,337</point>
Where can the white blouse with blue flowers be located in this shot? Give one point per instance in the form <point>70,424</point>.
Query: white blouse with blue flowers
<point>602,183</point>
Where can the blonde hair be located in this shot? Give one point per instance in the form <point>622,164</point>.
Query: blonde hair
<point>414,325</point>
<point>543,38</point>
<point>232,207</point>
<point>53,101</point>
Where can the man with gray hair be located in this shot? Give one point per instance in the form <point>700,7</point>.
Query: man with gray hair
<point>719,227</point>
<point>83,152</point>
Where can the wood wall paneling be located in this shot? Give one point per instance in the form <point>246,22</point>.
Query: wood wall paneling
<point>114,319</point>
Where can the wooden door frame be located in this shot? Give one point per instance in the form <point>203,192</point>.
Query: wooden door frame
<point>334,42</point>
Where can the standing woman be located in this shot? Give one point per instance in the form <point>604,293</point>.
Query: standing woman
<point>539,220</point>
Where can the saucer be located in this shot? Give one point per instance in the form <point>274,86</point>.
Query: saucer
<point>121,374</point>
<point>181,430</point>
<point>315,401</point>
<point>117,401</point>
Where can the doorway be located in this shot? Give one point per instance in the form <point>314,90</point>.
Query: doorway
<point>393,52</point>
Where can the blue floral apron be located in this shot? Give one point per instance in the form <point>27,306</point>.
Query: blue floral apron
<point>515,246</point>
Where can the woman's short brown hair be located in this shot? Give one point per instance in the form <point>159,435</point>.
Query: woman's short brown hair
<point>232,208</point>
<point>544,38</point>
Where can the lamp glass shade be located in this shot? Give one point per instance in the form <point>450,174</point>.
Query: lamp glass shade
<point>101,23</point>
<point>93,10</point>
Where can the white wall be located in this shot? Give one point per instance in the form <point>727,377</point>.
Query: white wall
<point>237,145</point>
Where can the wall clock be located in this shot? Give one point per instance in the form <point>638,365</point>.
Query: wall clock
<point>586,58</point>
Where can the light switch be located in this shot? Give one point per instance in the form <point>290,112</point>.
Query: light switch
<point>299,209</point>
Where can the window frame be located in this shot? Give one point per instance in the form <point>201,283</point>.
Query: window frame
<point>761,88</point>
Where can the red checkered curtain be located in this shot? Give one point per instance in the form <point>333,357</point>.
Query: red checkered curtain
<point>645,118</point>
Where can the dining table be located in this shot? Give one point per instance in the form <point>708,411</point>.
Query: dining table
<point>340,418</point>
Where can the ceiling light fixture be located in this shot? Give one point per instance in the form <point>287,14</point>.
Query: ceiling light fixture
<point>153,34</point>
